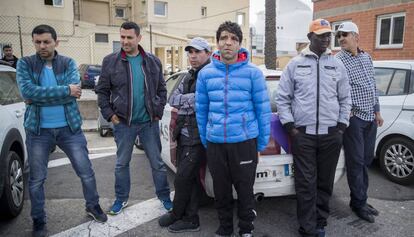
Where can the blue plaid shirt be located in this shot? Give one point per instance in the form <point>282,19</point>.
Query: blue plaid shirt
<point>364,92</point>
<point>28,77</point>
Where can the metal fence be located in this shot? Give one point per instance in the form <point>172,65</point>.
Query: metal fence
<point>16,31</point>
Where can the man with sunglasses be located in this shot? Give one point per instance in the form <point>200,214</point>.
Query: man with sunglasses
<point>359,137</point>
<point>313,105</point>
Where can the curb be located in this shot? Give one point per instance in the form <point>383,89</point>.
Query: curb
<point>89,129</point>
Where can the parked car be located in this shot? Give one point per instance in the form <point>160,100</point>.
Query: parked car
<point>13,158</point>
<point>87,74</point>
<point>274,175</point>
<point>395,139</point>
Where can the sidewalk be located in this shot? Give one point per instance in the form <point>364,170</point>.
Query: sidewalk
<point>90,125</point>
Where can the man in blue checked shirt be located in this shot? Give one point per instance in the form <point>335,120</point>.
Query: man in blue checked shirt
<point>49,82</point>
<point>359,137</point>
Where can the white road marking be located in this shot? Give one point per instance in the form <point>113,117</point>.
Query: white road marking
<point>66,161</point>
<point>101,148</point>
<point>129,218</point>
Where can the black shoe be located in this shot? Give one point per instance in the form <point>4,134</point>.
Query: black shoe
<point>364,214</point>
<point>321,232</point>
<point>372,210</point>
<point>97,214</point>
<point>39,229</point>
<point>220,232</point>
<point>167,219</point>
<point>183,226</point>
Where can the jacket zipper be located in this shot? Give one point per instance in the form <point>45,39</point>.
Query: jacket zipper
<point>129,116</point>
<point>317,97</point>
<point>146,87</point>
<point>37,107</point>
<point>225,103</point>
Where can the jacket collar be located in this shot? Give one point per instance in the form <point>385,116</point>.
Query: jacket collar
<point>140,49</point>
<point>307,52</point>
<point>41,59</point>
<point>349,54</point>
<point>243,58</point>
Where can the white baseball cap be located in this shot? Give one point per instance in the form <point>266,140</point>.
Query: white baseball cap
<point>348,27</point>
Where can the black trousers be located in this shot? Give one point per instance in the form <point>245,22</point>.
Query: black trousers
<point>359,145</point>
<point>233,164</point>
<point>315,158</point>
<point>187,182</point>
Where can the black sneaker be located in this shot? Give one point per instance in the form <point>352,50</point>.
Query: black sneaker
<point>372,210</point>
<point>167,219</point>
<point>39,229</point>
<point>364,214</point>
<point>183,226</point>
<point>97,214</point>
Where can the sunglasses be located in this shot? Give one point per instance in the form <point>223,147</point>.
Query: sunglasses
<point>343,34</point>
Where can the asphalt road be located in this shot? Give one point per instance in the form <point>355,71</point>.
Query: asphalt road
<point>276,216</point>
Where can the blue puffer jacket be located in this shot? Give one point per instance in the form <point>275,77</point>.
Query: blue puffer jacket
<point>232,103</point>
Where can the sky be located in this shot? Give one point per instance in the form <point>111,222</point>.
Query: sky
<point>258,5</point>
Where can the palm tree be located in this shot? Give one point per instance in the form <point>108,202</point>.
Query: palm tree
<point>270,34</point>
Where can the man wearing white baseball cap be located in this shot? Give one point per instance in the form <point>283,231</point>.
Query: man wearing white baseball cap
<point>359,137</point>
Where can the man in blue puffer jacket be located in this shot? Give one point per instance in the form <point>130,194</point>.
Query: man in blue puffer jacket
<point>233,116</point>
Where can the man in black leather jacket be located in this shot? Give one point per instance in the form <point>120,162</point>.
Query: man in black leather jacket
<point>132,95</point>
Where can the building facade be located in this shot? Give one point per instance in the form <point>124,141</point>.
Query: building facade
<point>89,29</point>
<point>386,27</point>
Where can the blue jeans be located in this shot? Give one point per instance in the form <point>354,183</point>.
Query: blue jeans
<point>149,136</point>
<point>38,149</point>
<point>359,145</point>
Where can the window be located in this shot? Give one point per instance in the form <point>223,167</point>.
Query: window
<point>116,46</point>
<point>334,43</point>
<point>240,18</point>
<point>398,83</point>
<point>101,38</point>
<point>9,92</point>
<point>160,8</point>
<point>204,11</point>
<point>173,82</point>
<point>390,31</point>
<point>120,12</point>
<point>390,81</point>
<point>55,3</point>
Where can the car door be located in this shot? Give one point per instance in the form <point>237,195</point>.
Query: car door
<point>392,85</point>
<point>11,104</point>
<point>167,123</point>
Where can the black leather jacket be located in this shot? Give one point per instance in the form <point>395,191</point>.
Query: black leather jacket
<point>115,86</point>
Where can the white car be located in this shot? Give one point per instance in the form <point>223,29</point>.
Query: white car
<point>13,158</point>
<point>395,139</point>
<point>274,175</point>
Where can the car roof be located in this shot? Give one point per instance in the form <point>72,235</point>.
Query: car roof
<point>400,64</point>
<point>270,72</point>
<point>5,68</point>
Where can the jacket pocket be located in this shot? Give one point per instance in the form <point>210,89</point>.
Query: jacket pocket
<point>303,70</point>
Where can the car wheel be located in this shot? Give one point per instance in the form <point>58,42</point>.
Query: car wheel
<point>397,160</point>
<point>13,192</point>
<point>102,131</point>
